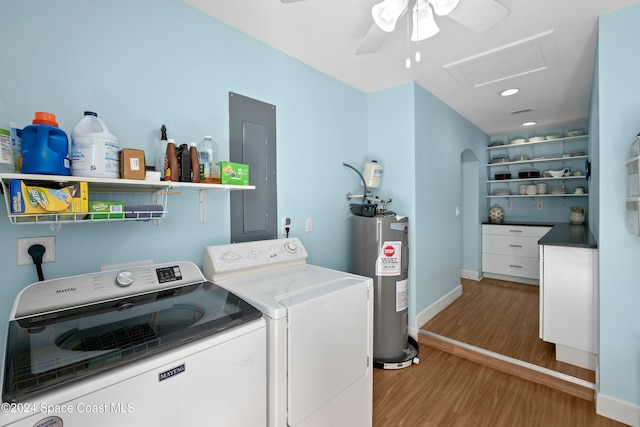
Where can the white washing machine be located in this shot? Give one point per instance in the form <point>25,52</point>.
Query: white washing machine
<point>319,326</point>
<point>155,345</point>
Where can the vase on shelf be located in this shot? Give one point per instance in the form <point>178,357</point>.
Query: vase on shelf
<point>496,214</point>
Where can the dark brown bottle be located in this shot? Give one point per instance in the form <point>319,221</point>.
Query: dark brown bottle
<point>195,163</point>
<point>172,172</point>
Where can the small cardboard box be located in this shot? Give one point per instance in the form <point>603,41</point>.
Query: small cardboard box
<point>106,210</point>
<point>132,164</point>
<point>34,198</point>
<point>234,173</point>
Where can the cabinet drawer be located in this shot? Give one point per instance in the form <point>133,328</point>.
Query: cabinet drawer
<point>510,245</point>
<point>511,265</point>
<point>515,230</point>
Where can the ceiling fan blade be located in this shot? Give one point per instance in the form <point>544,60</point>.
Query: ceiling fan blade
<point>372,41</point>
<point>479,15</point>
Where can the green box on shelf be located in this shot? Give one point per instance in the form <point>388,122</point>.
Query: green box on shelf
<point>106,210</point>
<point>234,173</point>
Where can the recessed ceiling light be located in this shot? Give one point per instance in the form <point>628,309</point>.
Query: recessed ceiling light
<point>509,92</point>
<point>529,123</point>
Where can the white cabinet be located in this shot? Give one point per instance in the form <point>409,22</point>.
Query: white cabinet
<point>568,302</point>
<point>510,252</point>
<point>538,156</point>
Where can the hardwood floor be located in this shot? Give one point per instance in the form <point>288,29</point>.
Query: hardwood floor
<point>502,317</point>
<point>446,390</point>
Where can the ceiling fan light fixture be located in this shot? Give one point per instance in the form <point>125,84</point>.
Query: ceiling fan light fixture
<point>531,123</point>
<point>424,25</point>
<point>386,13</point>
<point>444,7</point>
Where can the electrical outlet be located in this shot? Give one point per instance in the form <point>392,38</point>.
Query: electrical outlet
<point>286,222</point>
<point>308,225</point>
<point>23,245</point>
<point>539,206</point>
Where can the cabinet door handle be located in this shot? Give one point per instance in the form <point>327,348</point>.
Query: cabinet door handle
<point>515,246</point>
<point>515,266</point>
<point>515,231</point>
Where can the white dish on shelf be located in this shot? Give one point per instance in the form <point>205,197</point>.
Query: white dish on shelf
<point>552,137</point>
<point>575,133</point>
<point>537,138</point>
<point>517,141</point>
<point>531,190</point>
<point>560,190</point>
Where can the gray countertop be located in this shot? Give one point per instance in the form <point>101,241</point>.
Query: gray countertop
<point>561,233</point>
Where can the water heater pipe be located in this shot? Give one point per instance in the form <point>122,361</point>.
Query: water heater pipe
<point>364,183</point>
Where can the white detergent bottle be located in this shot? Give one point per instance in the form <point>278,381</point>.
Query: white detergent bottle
<point>6,151</point>
<point>95,151</point>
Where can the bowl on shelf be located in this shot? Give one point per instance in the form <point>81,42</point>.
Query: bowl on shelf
<point>501,176</point>
<point>558,173</point>
<point>559,190</point>
<point>501,159</point>
<point>575,133</point>
<point>502,193</point>
<point>542,187</point>
<point>531,190</point>
<point>517,141</point>
<point>537,138</point>
<point>552,137</point>
<point>529,174</point>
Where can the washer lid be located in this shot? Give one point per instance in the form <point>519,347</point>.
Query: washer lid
<point>58,347</point>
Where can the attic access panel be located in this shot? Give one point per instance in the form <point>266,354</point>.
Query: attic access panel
<point>252,141</point>
<point>526,56</point>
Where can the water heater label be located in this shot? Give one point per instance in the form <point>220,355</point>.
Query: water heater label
<point>402,295</point>
<point>389,259</point>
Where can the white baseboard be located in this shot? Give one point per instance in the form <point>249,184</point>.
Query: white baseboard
<point>618,410</point>
<point>471,275</point>
<point>524,280</point>
<point>576,357</point>
<point>435,308</point>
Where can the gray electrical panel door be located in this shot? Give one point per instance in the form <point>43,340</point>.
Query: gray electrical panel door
<point>252,141</point>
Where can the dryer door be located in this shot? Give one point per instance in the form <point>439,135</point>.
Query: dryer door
<point>329,344</point>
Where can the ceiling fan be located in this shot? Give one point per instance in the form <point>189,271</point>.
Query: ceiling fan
<point>477,15</point>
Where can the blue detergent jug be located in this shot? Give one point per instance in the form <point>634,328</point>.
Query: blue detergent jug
<point>45,147</point>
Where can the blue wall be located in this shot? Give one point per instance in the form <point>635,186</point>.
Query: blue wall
<point>151,62</point>
<point>618,104</point>
<point>442,135</point>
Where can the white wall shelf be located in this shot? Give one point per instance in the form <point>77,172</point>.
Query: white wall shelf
<point>138,192</point>
<point>553,154</point>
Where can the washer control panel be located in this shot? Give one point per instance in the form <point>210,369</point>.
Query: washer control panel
<point>238,259</point>
<point>56,294</point>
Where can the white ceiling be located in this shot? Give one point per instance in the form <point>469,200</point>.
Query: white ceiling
<point>545,48</point>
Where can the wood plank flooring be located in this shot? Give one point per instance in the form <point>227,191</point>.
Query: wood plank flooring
<point>446,390</point>
<point>502,317</point>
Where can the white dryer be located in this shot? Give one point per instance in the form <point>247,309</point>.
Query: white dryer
<point>319,331</point>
